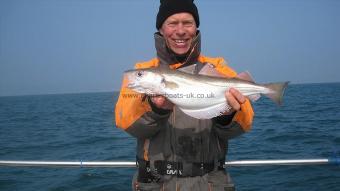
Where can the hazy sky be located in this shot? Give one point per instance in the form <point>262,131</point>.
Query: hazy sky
<point>70,46</point>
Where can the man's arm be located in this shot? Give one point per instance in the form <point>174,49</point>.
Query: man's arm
<point>135,115</point>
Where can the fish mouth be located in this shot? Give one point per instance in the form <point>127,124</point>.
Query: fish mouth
<point>130,85</point>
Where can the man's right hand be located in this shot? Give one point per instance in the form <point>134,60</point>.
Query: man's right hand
<point>162,102</point>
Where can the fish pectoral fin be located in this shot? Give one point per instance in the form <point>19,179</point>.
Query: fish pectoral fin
<point>208,112</point>
<point>170,85</point>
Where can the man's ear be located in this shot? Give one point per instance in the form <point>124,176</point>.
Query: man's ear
<point>161,31</point>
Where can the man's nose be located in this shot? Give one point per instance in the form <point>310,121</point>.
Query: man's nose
<point>180,30</point>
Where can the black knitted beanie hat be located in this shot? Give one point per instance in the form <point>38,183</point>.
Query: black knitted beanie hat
<point>170,7</point>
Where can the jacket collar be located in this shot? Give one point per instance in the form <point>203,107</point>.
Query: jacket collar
<point>167,57</point>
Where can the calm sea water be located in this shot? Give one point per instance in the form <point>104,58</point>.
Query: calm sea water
<point>73,127</point>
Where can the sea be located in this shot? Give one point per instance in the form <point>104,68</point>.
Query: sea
<point>80,127</point>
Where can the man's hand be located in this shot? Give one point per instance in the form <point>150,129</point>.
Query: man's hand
<point>161,102</point>
<point>235,99</point>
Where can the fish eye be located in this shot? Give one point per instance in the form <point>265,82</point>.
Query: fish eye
<point>139,74</point>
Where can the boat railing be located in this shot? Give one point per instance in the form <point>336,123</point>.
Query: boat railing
<point>131,164</point>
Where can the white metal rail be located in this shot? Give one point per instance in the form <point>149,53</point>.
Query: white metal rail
<point>123,164</point>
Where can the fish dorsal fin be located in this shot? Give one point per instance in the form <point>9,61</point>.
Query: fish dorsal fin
<point>209,70</point>
<point>245,76</point>
<point>209,112</point>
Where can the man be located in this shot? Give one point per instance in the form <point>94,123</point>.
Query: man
<point>174,150</point>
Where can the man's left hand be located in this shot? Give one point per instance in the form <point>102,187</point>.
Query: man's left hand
<point>235,99</point>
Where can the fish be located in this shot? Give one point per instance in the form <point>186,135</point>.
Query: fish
<point>200,96</point>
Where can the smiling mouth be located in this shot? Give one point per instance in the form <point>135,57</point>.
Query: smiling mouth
<point>180,42</point>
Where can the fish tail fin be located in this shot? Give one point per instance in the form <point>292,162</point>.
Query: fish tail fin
<point>277,91</point>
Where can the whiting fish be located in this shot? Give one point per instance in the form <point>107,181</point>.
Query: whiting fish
<point>199,96</point>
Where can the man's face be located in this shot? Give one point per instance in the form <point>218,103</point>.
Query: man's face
<point>179,30</point>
